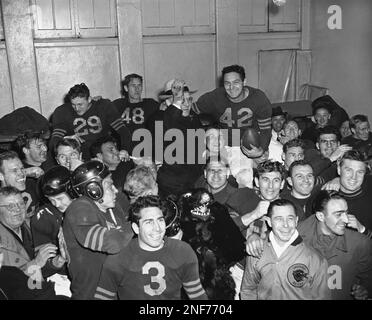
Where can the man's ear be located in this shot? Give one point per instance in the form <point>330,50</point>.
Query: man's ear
<point>25,150</point>
<point>289,180</point>
<point>317,145</point>
<point>268,220</point>
<point>319,215</point>
<point>299,132</point>
<point>338,168</point>
<point>283,156</point>
<point>352,130</point>
<point>245,82</point>
<point>99,156</point>
<point>282,184</point>
<point>125,88</point>
<point>135,228</point>
<point>256,182</point>
<point>2,179</point>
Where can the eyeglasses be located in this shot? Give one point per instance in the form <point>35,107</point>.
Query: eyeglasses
<point>14,207</point>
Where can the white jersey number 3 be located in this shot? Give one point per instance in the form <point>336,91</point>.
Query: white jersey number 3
<point>158,278</point>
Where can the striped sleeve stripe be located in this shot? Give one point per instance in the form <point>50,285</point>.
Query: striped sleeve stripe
<point>117,123</point>
<point>86,242</point>
<point>92,236</point>
<point>101,297</point>
<point>100,240</point>
<point>95,235</point>
<point>95,238</point>
<point>59,133</point>
<point>117,128</point>
<point>192,283</point>
<point>106,292</point>
<point>264,121</point>
<point>193,289</point>
<point>197,294</point>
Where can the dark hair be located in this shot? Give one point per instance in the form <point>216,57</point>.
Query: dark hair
<point>320,106</point>
<point>353,155</point>
<point>7,155</point>
<point>142,203</point>
<point>271,166</point>
<point>67,142</point>
<point>216,158</point>
<point>78,90</point>
<point>357,119</point>
<point>234,68</point>
<point>299,163</point>
<point>127,79</point>
<point>24,140</point>
<point>9,190</point>
<point>280,203</point>
<point>322,198</point>
<point>96,146</point>
<point>329,130</point>
<point>293,144</point>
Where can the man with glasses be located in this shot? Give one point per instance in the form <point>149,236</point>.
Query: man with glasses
<point>238,106</point>
<point>16,240</point>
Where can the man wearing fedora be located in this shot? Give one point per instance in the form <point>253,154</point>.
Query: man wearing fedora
<point>178,173</point>
<point>278,118</point>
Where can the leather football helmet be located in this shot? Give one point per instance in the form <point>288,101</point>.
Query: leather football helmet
<point>172,218</point>
<point>55,181</point>
<point>87,179</point>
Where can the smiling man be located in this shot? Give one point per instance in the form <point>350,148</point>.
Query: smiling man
<point>356,188</point>
<point>238,106</point>
<point>151,267</point>
<point>302,180</point>
<point>288,269</point>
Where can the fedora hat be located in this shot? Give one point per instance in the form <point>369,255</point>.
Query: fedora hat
<point>167,91</point>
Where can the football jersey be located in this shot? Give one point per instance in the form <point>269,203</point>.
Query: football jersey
<point>136,115</point>
<point>254,111</point>
<point>31,196</point>
<point>45,225</point>
<point>135,273</point>
<point>90,236</point>
<point>93,124</point>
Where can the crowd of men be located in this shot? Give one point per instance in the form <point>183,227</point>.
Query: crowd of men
<point>144,199</point>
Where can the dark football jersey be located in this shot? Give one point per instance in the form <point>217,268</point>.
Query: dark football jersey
<point>97,122</point>
<point>151,275</point>
<point>254,111</point>
<point>136,115</point>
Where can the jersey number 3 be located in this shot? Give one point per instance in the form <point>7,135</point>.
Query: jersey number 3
<point>158,278</point>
